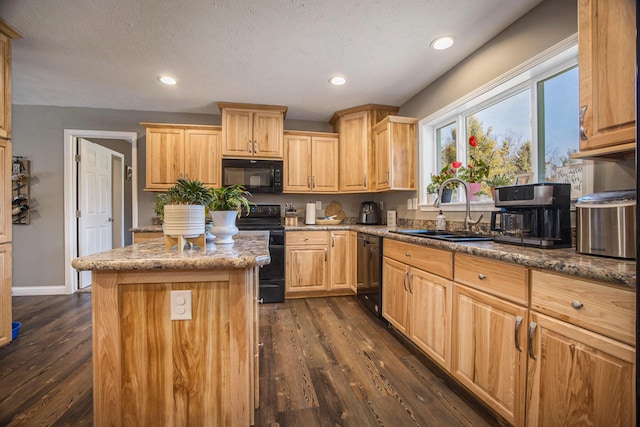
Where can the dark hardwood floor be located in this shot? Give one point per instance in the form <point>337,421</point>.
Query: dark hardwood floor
<point>325,362</point>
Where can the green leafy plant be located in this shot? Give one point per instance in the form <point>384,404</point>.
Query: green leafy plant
<point>499,180</point>
<point>231,198</point>
<point>184,192</point>
<point>448,171</point>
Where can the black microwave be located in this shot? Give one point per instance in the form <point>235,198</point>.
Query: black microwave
<point>257,176</point>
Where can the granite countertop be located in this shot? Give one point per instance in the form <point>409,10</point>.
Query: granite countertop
<point>565,261</point>
<point>247,251</point>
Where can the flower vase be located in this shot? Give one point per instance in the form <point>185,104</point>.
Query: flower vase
<point>224,226</point>
<point>446,195</point>
<point>474,189</point>
<point>183,220</point>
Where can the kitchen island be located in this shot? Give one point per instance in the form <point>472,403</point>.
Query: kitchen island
<point>151,370</point>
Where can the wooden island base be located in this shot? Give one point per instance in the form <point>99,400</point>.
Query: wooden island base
<point>149,370</point>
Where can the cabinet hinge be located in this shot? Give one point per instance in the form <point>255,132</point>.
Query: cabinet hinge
<point>77,158</point>
<point>78,214</point>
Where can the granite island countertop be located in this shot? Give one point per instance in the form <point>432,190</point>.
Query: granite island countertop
<point>247,251</point>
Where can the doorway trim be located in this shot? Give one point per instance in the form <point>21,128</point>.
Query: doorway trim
<point>71,197</point>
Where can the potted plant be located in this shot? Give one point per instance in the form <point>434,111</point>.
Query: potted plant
<point>448,171</point>
<point>226,205</point>
<point>182,208</point>
<point>498,180</point>
<point>477,169</point>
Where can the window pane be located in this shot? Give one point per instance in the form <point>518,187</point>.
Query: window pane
<point>558,126</point>
<point>446,145</point>
<point>502,132</point>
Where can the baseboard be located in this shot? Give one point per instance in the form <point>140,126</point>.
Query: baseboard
<point>37,290</point>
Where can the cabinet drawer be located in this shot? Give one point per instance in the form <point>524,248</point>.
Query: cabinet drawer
<point>306,238</point>
<point>431,260</point>
<point>595,306</point>
<point>501,279</point>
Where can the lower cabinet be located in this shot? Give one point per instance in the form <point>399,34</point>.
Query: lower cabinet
<point>416,302</point>
<point>5,294</point>
<point>581,368</point>
<point>489,344</point>
<point>577,377</point>
<point>318,263</point>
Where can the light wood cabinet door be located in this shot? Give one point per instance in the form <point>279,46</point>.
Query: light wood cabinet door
<point>577,377</point>
<point>165,157</point>
<point>607,52</point>
<point>430,315</point>
<point>324,164</point>
<point>488,350</point>
<point>5,294</point>
<point>5,190</point>
<point>267,134</point>
<point>202,159</point>
<point>306,268</point>
<point>5,86</point>
<point>237,133</point>
<point>340,259</point>
<point>354,152</point>
<point>395,148</point>
<point>395,294</point>
<point>297,164</point>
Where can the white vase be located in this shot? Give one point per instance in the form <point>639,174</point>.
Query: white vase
<point>183,220</point>
<point>224,226</point>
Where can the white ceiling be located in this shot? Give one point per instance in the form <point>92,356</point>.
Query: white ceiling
<point>108,54</point>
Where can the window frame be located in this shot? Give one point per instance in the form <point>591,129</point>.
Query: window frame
<point>554,60</point>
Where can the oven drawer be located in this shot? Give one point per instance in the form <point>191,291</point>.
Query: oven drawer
<point>307,238</point>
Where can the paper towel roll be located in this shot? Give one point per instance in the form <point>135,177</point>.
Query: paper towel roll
<point>310,214</point>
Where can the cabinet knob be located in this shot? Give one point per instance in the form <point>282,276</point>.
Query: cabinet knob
<point>481,276</point>
<point>577,305</point>
<point>306,238</point>
<point>261,301</point>
<point>408,254</point>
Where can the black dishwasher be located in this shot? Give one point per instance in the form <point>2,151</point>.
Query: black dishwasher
<point>369,279</point>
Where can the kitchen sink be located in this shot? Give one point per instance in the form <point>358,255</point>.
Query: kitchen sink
<point>449,236</point>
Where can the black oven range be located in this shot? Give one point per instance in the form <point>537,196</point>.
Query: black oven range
<point>268,218</point>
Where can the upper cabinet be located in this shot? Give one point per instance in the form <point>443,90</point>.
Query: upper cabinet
<point>6,34</point>
<point>395,149</point>
<point>188,151</point>
<point>607,52</point>
<point>310,162</point>
<point>250,130</point>
<point>357,155</point>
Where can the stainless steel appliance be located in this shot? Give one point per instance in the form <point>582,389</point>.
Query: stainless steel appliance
<point>271,276</point>
<point>369,213</point>
<point>369,275</point>
<point>533,215</point>
<point>257,176</point>
<point>606,224</point>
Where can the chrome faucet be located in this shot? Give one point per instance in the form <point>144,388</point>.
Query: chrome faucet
<point>467,219</point>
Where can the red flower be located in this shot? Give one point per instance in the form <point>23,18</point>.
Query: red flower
<point>456,164</point>
<point>473,141</point>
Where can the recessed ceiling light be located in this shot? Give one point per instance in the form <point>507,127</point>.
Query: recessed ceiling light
<point>441,43</point>
<point>167,80</point>
<point>337,81</point>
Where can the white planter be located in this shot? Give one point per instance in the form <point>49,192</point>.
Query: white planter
<point>224,226</point>
<point>183,220</point>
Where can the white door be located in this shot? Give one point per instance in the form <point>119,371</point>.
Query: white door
<point>94,202</point>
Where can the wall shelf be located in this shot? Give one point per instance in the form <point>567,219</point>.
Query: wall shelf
<point>20,190</point>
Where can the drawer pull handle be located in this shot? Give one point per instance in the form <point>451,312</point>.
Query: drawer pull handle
<point>532,330</point>
<point>408,254</point>
<point>583,134</point>
<point>519,320</point>
<point>481,276</point>
<point>577,305</point>
<point>261,344</point>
